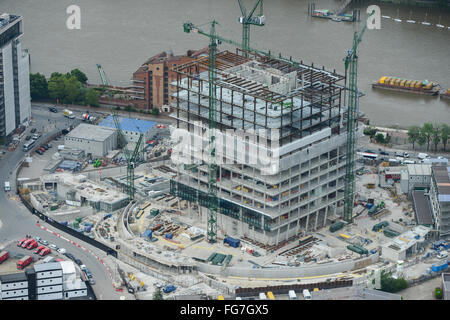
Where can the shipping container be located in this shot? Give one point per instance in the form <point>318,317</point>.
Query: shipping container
<point>232,242</point>
<point>357,249</point>
<point>336,226</point>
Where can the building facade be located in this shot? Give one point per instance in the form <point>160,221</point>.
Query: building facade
<point>303,105</point>
<point>92,139</point>
<point>440,199</point>
<point>151,82</point>
<point>15,102</point>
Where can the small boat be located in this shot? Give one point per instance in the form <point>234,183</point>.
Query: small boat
<point>445,94</point>
<point>424,87</point>
<point>386,17</point>
<point>336,19</point>
<point>439,25</point>
<point>409,20</point>
<point>397,19</point>
<point>425,22</point>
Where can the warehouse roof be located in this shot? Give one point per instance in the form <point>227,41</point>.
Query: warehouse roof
<point>90,132</point>
<point>419,169</point>
<point>13,277</point>
<point>442,176</point>
<point>47,266</point>
<point>127,124</point>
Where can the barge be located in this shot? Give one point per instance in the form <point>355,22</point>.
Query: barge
<point>403,85</point>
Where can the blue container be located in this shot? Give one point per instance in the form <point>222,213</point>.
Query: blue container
<point>168,236</point>
<point>369,205</point>
<point>232,242</point>
<point>87,228</point>
<point>65,223</point>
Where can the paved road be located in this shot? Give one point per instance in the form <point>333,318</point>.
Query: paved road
<point>16,221</point>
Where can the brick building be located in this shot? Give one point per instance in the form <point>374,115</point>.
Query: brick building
<point>151,82</point>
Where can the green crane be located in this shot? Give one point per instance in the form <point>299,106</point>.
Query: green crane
<point>103,77</point>
<point>212,167</point>
<point>351,66</point>
<point>247,20</point>
<point>131,158</point>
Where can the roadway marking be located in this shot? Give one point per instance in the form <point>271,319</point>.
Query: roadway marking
<point>79,246</point>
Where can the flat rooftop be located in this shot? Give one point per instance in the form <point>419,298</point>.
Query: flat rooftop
<point>90,132</point>
<point>128,124</point>
<point>419,169</point>
<point>6,19</point>
<point>408,238</point>
<point>442,176</point>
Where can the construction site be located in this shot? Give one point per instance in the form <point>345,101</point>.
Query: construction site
<point>203,212</point>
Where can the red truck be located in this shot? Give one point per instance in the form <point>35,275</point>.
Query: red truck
<point>22,263</point>
<point>3,256</point>
<point>33,244</point>
<point>21,241</point>
<point>38,249</point>
<point>45,251</point>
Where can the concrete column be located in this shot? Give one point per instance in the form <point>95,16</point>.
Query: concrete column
<point>317,218</point>
<point>307,221</point>
<point>189,209</point>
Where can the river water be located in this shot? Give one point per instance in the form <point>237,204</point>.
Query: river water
<point>120,35</point>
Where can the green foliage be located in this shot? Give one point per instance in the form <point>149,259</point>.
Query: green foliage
<point>81,76</point>
<point>38,86</point>
<point>379,138</point>
<point>427,132</point>
<point>389,284</point>
<point>413,134</point>
<point>117,108</point>
<point>157,295</point>
<point>369,131</point>
<point>92,97</point>
<point>155,111</point>
<point>436,137</point>
<point>438,293</point>
<point>445,132</point>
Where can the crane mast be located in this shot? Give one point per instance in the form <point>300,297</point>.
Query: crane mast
<point>351,66</point>
<point>247,20</point>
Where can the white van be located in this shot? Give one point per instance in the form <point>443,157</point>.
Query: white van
<point>306,294</point>
<point>442,255</point>
<point>422,156</point>
<point>7,186</point>
<point>292,295</point>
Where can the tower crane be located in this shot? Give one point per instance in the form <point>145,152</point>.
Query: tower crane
<point>351,66</point>
<point>249,19</point>
<point>131,158</point>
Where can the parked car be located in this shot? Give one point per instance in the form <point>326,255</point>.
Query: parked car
<point>44,242</point>
<point>53,109</point>
<point>35,136</point>
<point>384,153</point>
<point>27,138</point>
<point>38,151</point>
<point>53,246</point>
<point>442,255</point>
<point>44,146</point>
<point>49,145</point>
<point>33,130</point>
<point>38,239</point>
<point>69,255</point>
<point>62,250</point>
<point>83,267</point>
<point>91,281</point>
<point>78,262</point>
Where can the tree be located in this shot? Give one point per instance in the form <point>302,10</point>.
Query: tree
<point>421,140</point>
<point>56,86</point>
<point>157,295</point>
<point>38,86</point>
<point>427,131</point>
<point>413,134</point>
<point>92,98</point>
<point>445,132</point>
<point>436,137</point>
<point>81,76</point>
<point>155,111</point>
<point>72,88</point>
<point>379,138</point>
<point>390,284</point>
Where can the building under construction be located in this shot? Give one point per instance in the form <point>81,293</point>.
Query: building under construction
<point>255,94</point>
